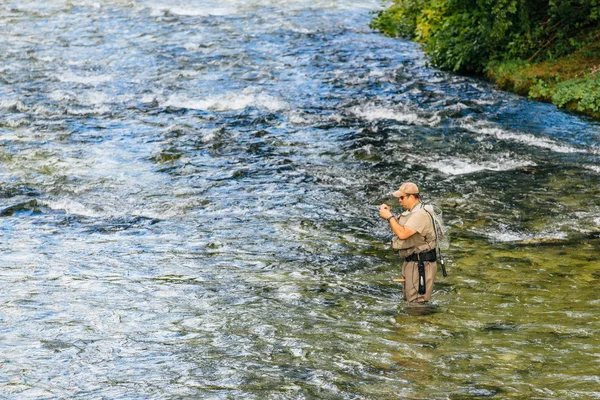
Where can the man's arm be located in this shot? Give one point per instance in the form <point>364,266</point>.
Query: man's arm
<point>403,232</point>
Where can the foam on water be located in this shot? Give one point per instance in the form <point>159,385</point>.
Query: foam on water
<point>595,168</point>
<point>485,102</point>
<point>209,134</point>
<point>186,10</point>
<point>196,11</point>
<point>519,137</point>
<point>61,95</point>
<point>16,123</point>
<point>18,105</point>
<point>72,207</point>
<point>374,113</point>
<point>94,98</point>
<point>87,79</point>
<point>89,111</point>
<point>297,119</point>
<point>459,166</point>
<point>192,47</point>
<point>227,102</point>
<point>511,236</point>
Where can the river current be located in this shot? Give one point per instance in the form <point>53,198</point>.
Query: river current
<point>189,209</point>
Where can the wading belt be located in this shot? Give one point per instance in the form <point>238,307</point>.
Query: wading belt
<point>421,258</point>
<point>425,256</point>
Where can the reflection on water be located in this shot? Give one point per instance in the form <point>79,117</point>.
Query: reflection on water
<point>189,210</point>
<point>417,310</point>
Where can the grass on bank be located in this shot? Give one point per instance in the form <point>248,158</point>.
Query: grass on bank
<point>571,82</point>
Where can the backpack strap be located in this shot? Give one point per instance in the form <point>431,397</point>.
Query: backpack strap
<point>437,243</point>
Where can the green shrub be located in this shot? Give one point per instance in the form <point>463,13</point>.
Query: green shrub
<point>579,94</point>
<point>466,35</point>
<point>510,75</point>
<point>400,19</point>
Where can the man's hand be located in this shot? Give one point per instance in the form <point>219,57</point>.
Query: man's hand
<point>384,211</point>
<point>403,232</point>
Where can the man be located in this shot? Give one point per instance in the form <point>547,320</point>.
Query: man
<point>416,241</point>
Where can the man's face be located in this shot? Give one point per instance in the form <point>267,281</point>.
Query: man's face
<point>402,199</point>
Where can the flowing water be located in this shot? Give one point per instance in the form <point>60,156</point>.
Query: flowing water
<point>189,209</point>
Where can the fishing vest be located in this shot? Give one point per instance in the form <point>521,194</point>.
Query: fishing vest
<point>424,238</point>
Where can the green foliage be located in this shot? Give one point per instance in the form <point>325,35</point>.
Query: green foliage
<point>469,32</point>
<point>541,90</point>
<point>508,75</point>
<point>532,47</point>
<point>466,35</point>
<point>572,82</point>
<point>579,94</point>
<point>399,20</point>
<point>558,27</point>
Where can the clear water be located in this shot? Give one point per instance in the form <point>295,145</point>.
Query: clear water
<point>189,209</point>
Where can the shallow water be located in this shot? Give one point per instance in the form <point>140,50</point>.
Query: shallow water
<point>190,210</point>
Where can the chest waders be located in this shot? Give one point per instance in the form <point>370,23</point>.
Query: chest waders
<point>426,255</point>
<point>420,259</point>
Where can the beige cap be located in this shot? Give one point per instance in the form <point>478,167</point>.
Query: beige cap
<point>406,188</point>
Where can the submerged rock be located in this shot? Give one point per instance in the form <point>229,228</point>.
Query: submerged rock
<point>32,206</point>
<point>541,241</point>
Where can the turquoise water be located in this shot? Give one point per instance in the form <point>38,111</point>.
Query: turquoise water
<point>190,203</point>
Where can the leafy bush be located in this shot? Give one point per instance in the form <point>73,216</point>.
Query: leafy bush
<point>579,94</point>
<point>466,35</point>
<point>470,33</point>
<point>400,19</point>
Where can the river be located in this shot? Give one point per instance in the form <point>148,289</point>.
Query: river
<point>189,209</point>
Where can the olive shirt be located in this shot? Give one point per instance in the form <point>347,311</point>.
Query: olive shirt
<point>424,238</point>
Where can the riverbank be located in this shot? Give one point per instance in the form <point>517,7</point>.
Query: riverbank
<point>541,50</point>
<point>571,82</point>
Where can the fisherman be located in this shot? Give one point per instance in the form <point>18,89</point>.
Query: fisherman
<point>414,237</point>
